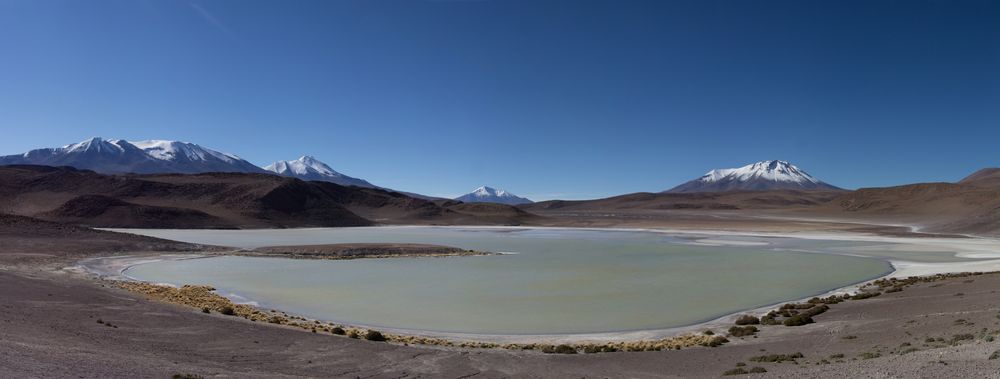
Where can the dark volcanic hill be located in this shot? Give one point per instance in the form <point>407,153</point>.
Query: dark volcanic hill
<point>220,200</point>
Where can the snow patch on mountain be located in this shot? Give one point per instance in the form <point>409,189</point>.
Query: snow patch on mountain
<point>173,150</point>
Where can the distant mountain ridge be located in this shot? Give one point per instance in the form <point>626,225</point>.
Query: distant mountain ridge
<point>118,156</point>
<point>309,168</point>
<point>486,194</point>
<point>760,176</point>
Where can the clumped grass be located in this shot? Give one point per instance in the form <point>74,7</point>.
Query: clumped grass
<point>995,355</point>
<point>865,295</point>
<point>736,371</point>
<point>708,333</point>
<point>205,310</point>
<point>374,335</point>
<point>715,341</point>
<point>771,319</point>
<point>836,356</point>
<point>742,331</point>
<point>757,370</point>
<point>227,310</point>
<point>852,337</point>
<point>186,376</point>
<point>869,355</point>
<point>800,314</point>
<point>776,358</point>
<point>961,337</point>
<point>353,334</point>
<point>798,320</point>
<point>747,320</point>
<point>559,349</point>
<point>832,299</point>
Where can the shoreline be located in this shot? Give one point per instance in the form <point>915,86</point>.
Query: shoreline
<point>898,269</point>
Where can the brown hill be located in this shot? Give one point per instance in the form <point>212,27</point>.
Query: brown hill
<point>735,200</point>
<point>987,177</point>
<point>25,240</point>
<point>939,207</point>
<point>219,200</point>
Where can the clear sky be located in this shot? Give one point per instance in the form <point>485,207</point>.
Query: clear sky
<point>548,99</point>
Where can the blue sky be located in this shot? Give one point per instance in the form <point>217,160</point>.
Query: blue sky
<point>548,99</point>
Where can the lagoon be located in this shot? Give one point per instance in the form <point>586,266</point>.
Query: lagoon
<point>548,281</point>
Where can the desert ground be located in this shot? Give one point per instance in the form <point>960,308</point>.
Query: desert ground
<point>940,328</point>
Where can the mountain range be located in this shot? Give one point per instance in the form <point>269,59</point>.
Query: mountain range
<point>486,194</point>
<point>141,157</point>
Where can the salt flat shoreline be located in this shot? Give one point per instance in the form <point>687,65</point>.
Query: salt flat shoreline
<point>980,249</point>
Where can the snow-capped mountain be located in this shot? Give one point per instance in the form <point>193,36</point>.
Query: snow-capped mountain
<point>764,175</point>
<point>309,168</point>
<point>486,194</point>
<point>116,156</point>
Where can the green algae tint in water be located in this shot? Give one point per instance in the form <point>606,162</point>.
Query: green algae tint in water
<point>560,281</point>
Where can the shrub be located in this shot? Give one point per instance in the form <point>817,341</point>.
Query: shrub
<point>374,335</point>
<point>747,320</point>
<point>338,330</point>
<point>757,370</point>
<point>353,334</point>
<point>995,355</point>
<point>186,376</point>
<point>227,310</point>
<point>742,331</point>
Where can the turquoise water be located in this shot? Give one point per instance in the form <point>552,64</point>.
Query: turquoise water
<point>555,281</point>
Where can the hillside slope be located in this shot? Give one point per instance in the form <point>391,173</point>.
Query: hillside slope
<point>217,200</point>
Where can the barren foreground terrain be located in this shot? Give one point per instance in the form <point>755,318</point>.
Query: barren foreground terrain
<point>50,328</point>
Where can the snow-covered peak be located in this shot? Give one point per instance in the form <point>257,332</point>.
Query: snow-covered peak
<point>172,150</point>
<point>305,165</point>
<point>773,170</point>
<point>309,168</point>
<point>760,176</point>
<point>96,144</point>
<point>486,191</point>
<point>492,195</point>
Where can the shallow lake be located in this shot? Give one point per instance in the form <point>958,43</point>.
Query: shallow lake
<point>554,281</point>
